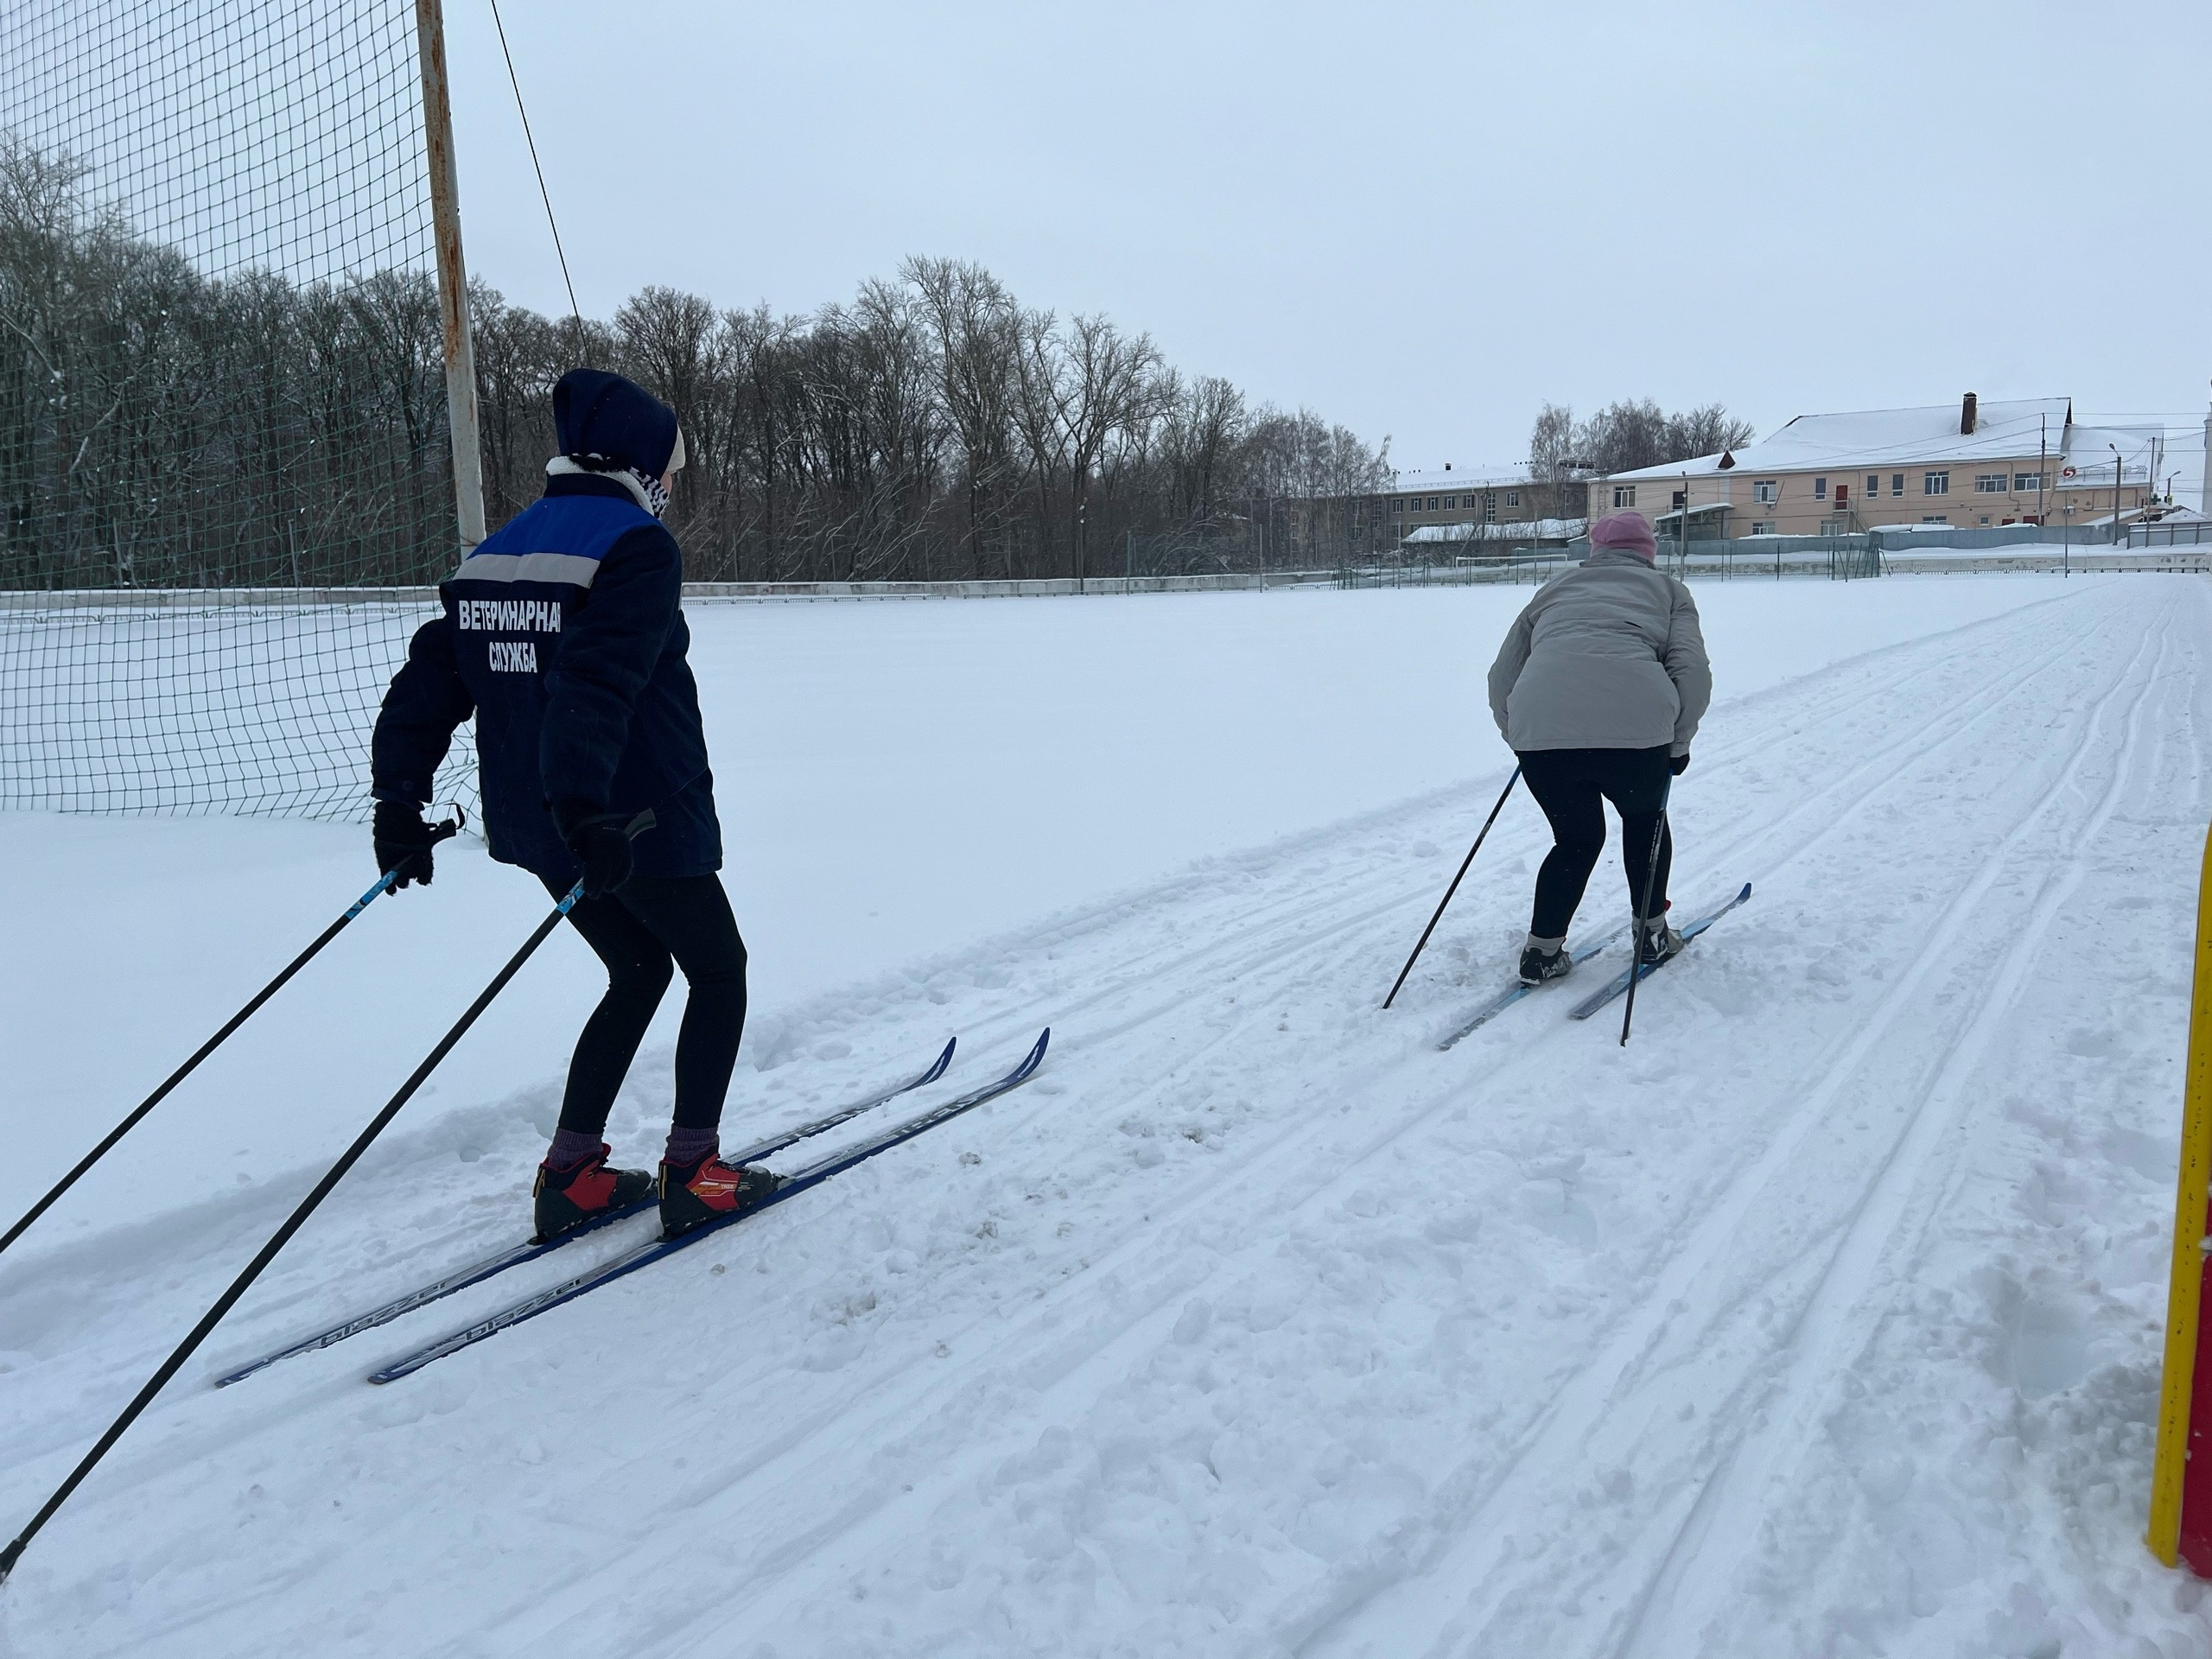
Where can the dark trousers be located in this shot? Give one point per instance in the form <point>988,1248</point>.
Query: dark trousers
<point>643,931</point>
<point>1571,786</point>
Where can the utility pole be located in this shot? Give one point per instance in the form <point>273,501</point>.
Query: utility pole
<point>453,273</point>
<point>2043,472</point>
<point>2204,490</point>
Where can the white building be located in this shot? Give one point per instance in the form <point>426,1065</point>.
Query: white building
<point>1971,464</point>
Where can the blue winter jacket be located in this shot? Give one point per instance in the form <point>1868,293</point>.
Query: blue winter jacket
<point>564,634</point>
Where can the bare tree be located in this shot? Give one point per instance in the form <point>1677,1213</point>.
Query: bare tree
<point>158,426</point>
<point>1627,435</point>
<point>1706,431</point>
<point>1551,444</point>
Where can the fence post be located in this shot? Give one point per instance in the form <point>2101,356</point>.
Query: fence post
<point>453,274</point>
<point>2181,1482</point>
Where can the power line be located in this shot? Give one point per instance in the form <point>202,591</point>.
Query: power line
<point>575,310</point>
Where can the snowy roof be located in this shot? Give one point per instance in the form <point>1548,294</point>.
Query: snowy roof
<point>1542,530</point>
<point>1475,477</point>
<point>1884,437</point>
<point>2089,450</point>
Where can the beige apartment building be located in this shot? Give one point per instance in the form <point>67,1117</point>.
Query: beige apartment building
<point>1491,495</point>
<point>1972,465</point>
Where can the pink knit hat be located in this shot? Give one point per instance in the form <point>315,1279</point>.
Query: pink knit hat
<point>1630,532</point>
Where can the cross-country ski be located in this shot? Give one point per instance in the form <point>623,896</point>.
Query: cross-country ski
<point>1520,989</point>
<point>530,713</point>
<point>518,1255</point>
<point>787,1187</point>
<point>1613,989</point>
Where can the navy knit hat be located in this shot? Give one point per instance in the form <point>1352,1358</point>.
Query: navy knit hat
<point>596,413</point>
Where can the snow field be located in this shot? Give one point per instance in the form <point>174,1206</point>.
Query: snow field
<point>897,780</point>
<point>1822,1319</point>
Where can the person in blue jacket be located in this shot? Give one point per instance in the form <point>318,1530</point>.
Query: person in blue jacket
<point>564,635</point>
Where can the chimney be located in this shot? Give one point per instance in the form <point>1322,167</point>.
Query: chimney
<point>1969,413</point>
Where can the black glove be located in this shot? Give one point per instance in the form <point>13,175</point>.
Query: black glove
<point>1678,764</point>
<point>403,841</point>
<point>601,842</point>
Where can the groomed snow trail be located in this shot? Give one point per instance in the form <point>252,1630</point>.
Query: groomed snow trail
<point>1822,1319</point>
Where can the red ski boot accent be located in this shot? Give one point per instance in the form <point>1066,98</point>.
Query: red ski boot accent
<point>567,1198</point>
<point>708,1191</point>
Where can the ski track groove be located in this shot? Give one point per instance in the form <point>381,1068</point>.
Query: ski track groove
<point>1292,931</point>
<point>1162,1293</point>
<point>1843,1310</point>
<point>1548,1460</point>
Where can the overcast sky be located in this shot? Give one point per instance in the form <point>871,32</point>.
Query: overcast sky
<point>1420,221</point>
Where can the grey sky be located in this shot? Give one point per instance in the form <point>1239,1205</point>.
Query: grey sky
<point>1421,220</point>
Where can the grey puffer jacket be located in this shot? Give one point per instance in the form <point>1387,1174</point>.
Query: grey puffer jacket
<point>1609,656</point>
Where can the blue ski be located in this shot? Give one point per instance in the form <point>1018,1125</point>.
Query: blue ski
<point>515,1255</point>
<point>645,1255</point>
<point>1505,998</point>
<point>1618,983</point>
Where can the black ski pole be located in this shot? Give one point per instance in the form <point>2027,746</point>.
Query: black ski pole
<point>1650,880</point>
<point>282,1236</point>
<point>438,833</point>
<point>1453,888</point>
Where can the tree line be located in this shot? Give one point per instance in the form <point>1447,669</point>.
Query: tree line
<point>161,427</point>
<point>1626,435</point>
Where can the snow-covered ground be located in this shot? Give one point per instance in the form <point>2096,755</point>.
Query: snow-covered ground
<point>1822,1319</point>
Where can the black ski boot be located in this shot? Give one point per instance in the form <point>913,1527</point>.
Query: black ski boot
<point>1539,964</point>
<point>1655,942</point>
<point>585,1191</point>
<point>710,1189</point>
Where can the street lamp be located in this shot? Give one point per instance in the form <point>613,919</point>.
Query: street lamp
<point>2115,491</point>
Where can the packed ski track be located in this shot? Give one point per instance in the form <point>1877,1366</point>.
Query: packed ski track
<point>1823,1318</point>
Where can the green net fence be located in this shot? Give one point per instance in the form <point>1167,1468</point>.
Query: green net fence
<point>220,382</point>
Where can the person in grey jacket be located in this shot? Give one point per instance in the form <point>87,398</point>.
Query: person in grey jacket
<point>1599,690</point>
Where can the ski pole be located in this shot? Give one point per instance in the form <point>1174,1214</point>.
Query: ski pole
<point>439,832</point>
<point>1650,880</point>
<point>1453,888</point>
<point>293,1223</point>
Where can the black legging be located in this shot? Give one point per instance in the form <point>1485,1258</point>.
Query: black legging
<point>642,931</point>
<point>1568,785</point>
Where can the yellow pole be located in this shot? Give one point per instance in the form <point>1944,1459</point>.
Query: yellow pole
<point>2186,1287</point>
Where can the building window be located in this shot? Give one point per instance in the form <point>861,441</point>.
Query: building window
<point>1451,504</point>
<point>1680,499</point>
<point>1819,489</point>
<point>1936,483</point>
<point>1432,503</point>
<point>1873,484</point>
<point>1989,483</point>
<point>1762,527</point>
<point>1398,505</point>
<point>1766,491</point>
<point>2024,481</point>
<point>1623,495</point>
<point>1935,518</point>
<point>1897,483</point>
<point>1985,518</point>
<point>1512,498</point>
